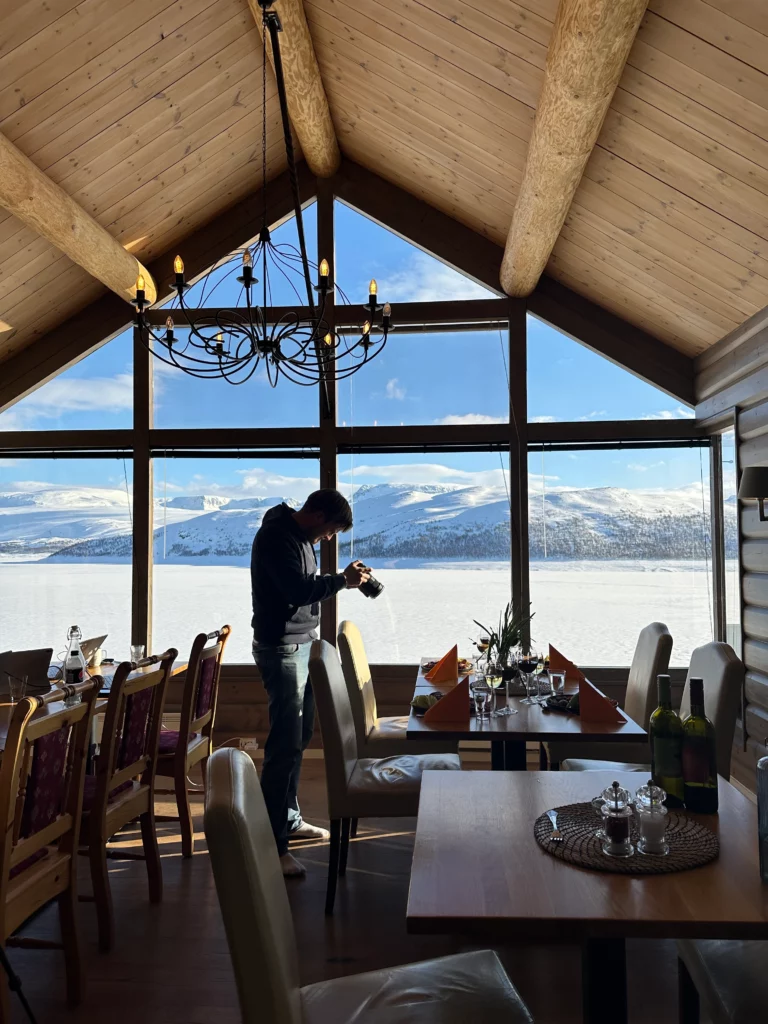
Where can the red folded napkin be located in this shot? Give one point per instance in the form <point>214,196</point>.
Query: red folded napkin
<point>594,706</point>
<point>447,669</point>
<point>453,707</point>
<point>559,663</point>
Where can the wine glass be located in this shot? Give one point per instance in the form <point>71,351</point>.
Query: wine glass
<point>527,664</point>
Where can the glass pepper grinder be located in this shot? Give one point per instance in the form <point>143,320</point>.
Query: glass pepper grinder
<point>617,822</point>
<point>652,819</point>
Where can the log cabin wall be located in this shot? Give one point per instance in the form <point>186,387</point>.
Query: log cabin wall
<point>732,390</point>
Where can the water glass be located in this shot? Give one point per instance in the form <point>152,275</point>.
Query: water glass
<point>137,652</point>
<point>545,685</point>
<point>482,695</point>
<point>558,682</point>
<point>17,687</point>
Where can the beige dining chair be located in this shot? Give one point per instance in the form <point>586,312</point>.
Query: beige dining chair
<point>728,977</point>
<point>262,944</point>
<point>359,787</point>
<point>377,736</point>
<point>723,673</point>
<point>651,658</point>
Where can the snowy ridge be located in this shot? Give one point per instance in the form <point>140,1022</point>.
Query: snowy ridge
<point>392,521</point>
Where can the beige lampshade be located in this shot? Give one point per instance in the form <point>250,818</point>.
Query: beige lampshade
<point>754,482</point>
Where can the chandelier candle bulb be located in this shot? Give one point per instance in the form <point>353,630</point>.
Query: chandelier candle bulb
<point>246,278</point>
<point>178,269</point>
<point>169,336</point>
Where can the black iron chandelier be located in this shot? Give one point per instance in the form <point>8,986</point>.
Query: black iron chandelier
<point>233,343</point>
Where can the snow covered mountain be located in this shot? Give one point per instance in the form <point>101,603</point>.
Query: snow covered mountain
<point>392,521</point>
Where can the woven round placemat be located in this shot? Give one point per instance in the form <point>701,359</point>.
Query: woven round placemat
<point>691,844</point>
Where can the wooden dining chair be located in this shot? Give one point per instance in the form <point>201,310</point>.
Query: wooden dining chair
<point>123,788</point>
<point>41,793</point>
<point>178,756</point>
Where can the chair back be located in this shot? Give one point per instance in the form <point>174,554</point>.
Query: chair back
<point>251,891</point>
<point>336,722</point>
<point>357,675</point>
<point>201,688</point>
<point>652,654</point>
<point>41,790</point>
<point>723,675</point>
<point>132,726</point>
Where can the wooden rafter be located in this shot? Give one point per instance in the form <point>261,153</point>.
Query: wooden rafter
<point>590,43</point>
<point>107,317</point>
<point>32,197</point>
<point>307,102</point>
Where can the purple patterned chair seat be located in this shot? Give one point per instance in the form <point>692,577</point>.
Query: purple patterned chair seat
<point>169,740</point>
<point>89,791</point>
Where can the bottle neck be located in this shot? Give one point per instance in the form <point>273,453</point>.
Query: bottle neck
<point>665,693</point>
<point>697,698</point>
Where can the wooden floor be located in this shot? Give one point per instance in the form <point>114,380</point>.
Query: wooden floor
<point>171,964</point>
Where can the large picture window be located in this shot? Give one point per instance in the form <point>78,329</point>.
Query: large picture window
<point>435,530</point>
<point>207,512</point>
<point>619,539</point>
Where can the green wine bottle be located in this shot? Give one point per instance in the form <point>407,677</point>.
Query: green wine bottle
<point>666,736</point>
<point>699,755</point>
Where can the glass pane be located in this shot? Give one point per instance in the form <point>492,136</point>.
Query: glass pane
<point>65,552</point>
<point>619,539</point>
<point>730,524</point>
<point>435,530</point>
<point>404,273</point>
<point>185,401</point>
<point>94,394</point>
<point>567,381</point>
<point>207,512</point>
<point>430,378</point>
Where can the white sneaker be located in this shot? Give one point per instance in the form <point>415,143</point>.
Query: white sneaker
<point>307,831</point>
<point>291,867</point>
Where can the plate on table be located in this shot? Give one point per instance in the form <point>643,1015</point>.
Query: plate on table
<point>465,666</point>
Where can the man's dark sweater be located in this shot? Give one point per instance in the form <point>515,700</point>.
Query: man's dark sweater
<point>284,583</point>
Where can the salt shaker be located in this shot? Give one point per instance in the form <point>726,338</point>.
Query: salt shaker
<point>652,818</point>
<point>762,815</point>
<point>617,820</point>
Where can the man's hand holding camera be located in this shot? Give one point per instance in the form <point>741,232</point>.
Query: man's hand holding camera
<point>356,573</point>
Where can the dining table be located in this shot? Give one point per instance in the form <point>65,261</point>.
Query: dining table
<point>508,734</point>
<point>478,872</point>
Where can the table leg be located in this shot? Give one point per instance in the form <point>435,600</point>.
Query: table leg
<point>604,981</point>
<point>497,755</point>
<point>508,756</point>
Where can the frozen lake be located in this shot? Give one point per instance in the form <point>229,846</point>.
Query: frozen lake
<point>592,611</point>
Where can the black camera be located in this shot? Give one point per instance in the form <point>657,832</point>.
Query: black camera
<point>371,587</point>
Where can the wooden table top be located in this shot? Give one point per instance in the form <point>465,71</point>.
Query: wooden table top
<point>477,869</point>
<point>531,722</point>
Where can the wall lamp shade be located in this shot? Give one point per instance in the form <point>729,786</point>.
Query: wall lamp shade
<point>754,484</point>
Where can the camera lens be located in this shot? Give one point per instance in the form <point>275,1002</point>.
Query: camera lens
<point>371,587</point>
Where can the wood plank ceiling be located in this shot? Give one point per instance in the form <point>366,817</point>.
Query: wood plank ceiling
<point>148,113</point>
<point>669,228</point>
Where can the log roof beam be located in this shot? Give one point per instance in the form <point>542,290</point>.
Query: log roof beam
<point>588,49</point>
<point>32,197</point>
<point>307,102</point>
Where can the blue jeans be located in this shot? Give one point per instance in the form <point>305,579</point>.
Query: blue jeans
<point>284,671</point>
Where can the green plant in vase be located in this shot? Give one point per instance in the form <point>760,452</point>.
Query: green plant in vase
<point>511,633</point>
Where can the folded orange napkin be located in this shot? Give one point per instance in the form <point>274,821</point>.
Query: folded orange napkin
<point>559,663</point>
<point>453,707</point>
<point>594,706</point>
<point>447,669</point>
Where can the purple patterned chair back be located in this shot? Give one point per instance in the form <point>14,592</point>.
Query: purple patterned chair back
<point>201,689</point>
<point>205,689</point>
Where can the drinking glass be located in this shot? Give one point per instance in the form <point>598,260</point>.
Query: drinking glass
<point>494,675</point>
<point>482,695</point>
<point>17,687</point>
<point>137,652</point>
<point>558,682</point>
<point>544,681</point>
<point>527,666</point>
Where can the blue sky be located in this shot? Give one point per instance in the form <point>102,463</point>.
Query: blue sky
<point>418,379</point>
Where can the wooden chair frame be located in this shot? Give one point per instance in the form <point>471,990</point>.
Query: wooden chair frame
<point>53,876</point>
<point>199,731</point>
<point>106,817</point>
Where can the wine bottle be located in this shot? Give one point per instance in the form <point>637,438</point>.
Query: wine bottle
<point>699,755</point>
<point>666,738</point>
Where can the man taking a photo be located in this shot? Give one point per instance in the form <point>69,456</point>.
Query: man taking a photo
<point>286,610</point>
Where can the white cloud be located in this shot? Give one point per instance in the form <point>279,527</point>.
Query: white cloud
<point>639,467</point>
<point>70,394</point>
<point>469,417</point>
<point>424,279</point>
<point>393,391</point>
<point>594,415</point>
<point>680,413</point>
<point>543,419</point>
<point>429,473</point>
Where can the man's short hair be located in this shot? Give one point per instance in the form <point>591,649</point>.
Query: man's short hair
<point>333,505</point>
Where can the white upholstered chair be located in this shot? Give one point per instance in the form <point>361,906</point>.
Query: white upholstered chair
<point>651,658</point>
<point>359,787</point>
<point>376,736</point>
<point>722,672</point>
<point>257,919</point>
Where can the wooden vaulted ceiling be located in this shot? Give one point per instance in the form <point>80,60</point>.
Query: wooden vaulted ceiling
<point>149,115</point>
